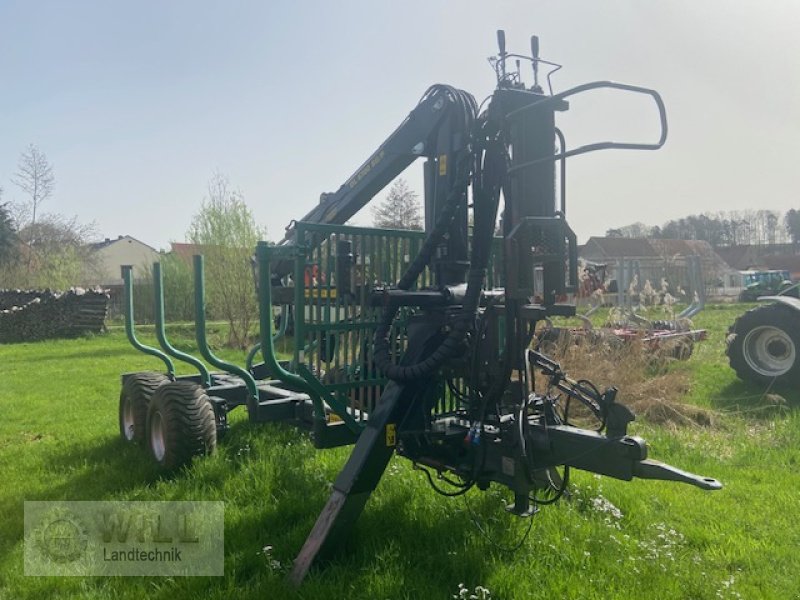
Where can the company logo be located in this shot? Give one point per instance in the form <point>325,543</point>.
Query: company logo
<point>124,538</point>
<point>62,537</point>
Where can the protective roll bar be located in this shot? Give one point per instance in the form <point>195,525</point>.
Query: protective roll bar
<point>594,85</point>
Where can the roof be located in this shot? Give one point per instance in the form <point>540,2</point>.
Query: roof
<point>110,241</point>
<point>761,257</point>
<point>614,247</point>
<point>783,262</point>
<point>186,251</point>
<point>738,257</point>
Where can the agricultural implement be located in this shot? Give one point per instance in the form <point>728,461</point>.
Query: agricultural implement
<point>418,343</point>
<point>673,338</point>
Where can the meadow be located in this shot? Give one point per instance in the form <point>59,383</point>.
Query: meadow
<point>59,439</point>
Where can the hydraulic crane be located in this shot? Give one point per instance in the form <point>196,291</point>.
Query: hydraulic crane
<point>473,342</point>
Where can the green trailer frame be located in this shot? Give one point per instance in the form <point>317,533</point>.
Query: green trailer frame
<point>330,385</point>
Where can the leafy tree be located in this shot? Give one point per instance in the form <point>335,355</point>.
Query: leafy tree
<point>34,176</point>
<point>792,223</point>
<point>635,230</point>
<point>178,290</point>
<point>227,233</point>
<point>8,235</point>
<point>54,254</point>
<point>400,209</point>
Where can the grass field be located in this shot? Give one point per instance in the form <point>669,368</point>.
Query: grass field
<point>59,440</point>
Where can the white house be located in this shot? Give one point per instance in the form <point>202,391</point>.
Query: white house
<point>109,255</point>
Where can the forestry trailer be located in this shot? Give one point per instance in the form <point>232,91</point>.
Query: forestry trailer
<point>419,343</point>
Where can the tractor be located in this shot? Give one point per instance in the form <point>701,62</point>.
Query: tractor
<point>418,343</point>
<point>763,344</point>
<point>766,283</point>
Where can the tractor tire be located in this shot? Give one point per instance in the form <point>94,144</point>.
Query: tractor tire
<point>764,343</point>
<point>180,424</point>
<point>133,402</point>
<point>748,296</point>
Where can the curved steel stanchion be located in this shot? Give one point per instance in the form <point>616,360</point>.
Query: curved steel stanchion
<point>127,278</point>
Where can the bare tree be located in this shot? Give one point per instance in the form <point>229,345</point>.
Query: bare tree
<point>35,177</point>
<point>400,209</point>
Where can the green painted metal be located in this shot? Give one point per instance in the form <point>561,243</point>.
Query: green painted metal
<point>202,341</point>
<point>336,406</point>
<point>334,327</point>
<point>351,230</point>
<point>127,278</point>
<point>299,296</point>
<point>263,256</point>
<point>251,355</point>
<point>256,349</point>
<point>303,380</point>
<point>161,334</point>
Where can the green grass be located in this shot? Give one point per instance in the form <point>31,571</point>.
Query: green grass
<point>59,440</point>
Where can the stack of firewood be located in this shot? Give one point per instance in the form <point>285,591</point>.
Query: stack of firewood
<point>32,315</point>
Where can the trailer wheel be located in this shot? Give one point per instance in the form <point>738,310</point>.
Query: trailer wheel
<point>133,401</point>
<point>764,343</point>
<point>180,424</point>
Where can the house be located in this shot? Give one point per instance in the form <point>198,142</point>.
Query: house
<point>780,257</point>
<point>108,256</point>
<point>654,259</point>
<point>186,251</point>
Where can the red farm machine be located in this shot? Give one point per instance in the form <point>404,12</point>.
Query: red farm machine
<point>418,343</point>
<point>631,319</point>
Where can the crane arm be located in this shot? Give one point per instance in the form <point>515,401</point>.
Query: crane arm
<point>442,109</point>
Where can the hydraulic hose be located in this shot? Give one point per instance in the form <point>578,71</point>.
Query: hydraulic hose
<point>486,196</point>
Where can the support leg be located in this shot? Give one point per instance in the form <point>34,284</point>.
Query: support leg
<point>355,483</point>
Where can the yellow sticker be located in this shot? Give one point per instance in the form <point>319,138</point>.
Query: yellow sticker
<point>442,165</point>
<point>390,435</point>
<point>334,418</point>
<point>321,293</point>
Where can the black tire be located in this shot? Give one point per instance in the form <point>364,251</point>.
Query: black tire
<point>748,296</point>
<point>764,343</point>
<point>180,424</point>
<point>133,401</point>
<point>661,325</point>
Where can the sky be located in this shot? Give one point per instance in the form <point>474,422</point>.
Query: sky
<point>137,104</point>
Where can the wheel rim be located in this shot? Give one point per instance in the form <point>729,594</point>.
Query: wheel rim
<point>127,419</point>
<point>157,442</point>
<point>769,351</point>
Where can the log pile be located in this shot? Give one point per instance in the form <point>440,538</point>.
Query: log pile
<point>32,315</point>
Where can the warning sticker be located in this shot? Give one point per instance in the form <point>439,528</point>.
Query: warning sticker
<point>391,436</point>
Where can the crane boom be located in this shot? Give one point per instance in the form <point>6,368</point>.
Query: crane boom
<point>435,129</point>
